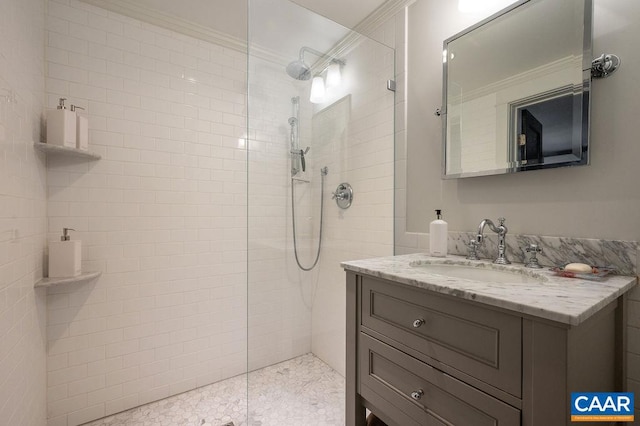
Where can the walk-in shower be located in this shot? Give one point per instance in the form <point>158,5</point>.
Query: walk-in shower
<point>202,311</point>
<point>350,133</point>
<point>298,149</point>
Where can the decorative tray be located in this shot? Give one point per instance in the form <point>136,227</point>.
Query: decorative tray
<point>597,273</point>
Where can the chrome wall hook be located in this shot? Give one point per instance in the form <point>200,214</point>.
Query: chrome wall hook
<point>604,65</point>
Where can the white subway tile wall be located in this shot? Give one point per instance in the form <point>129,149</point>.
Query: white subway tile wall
<point>22,214</point>
<point>162,214</point>
<point>279,323</point>
<point>292,312</point>
<point>354,138</point>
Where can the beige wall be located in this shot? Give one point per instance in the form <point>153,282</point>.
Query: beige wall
<point>598,201</point>
<point>601,200</point>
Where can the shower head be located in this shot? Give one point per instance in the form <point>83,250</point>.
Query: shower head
<point>299,70</point>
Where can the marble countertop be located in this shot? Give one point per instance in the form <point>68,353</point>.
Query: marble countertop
<point>566,300</point>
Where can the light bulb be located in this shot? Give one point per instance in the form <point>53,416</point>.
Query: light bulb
<point>333,75</point>
<point>317,90</point>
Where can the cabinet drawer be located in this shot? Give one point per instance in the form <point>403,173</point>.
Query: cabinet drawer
<point>479,342</point>
<point>392,376</point>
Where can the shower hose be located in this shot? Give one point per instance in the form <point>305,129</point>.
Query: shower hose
<point>323,173</point>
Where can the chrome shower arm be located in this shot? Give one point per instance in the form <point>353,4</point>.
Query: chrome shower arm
<point>319,54</point>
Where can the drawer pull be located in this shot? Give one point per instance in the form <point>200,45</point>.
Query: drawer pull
<point>417,395</point>
<point>418,323</point>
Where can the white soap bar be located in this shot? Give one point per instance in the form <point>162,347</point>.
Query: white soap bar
<point>578,267</point>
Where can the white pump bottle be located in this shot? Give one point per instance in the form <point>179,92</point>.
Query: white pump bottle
<point>438,235</point>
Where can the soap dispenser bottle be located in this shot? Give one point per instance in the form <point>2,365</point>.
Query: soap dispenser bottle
<point>82,129</point>
<point>438,235</point>
<point>61,126</point>
<point>65,256</point>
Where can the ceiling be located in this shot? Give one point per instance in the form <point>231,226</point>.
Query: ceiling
<point>345,12</point>
<point>229,16</point>
<point>280,27</point>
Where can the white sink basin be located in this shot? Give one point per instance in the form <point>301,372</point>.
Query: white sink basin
<point>474,273</point>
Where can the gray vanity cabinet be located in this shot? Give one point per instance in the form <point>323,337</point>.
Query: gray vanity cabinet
<point>416,357</point>
<point>436,398</point>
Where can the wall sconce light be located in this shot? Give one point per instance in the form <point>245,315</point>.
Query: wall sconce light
<point>334,77</point>
<point>317,90</point>
<point>319,85</point>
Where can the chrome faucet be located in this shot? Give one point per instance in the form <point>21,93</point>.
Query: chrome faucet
<point>502,232</point>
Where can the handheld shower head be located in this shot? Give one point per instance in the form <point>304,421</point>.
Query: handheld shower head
<point>299,70</point>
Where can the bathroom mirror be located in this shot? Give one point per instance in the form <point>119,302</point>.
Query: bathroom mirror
<point>516,90</point>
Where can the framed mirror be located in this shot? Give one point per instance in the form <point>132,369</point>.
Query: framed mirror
<point>516,90</point>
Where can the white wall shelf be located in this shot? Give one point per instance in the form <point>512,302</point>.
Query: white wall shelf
<point>80,279</point>
<point>63,150</point>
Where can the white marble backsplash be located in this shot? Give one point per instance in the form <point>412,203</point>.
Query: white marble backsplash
<point>556,251</point>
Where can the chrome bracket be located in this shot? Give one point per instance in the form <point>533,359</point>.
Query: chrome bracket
<point>343,195</point>
<point>604,65</point>
<point>391,85</point>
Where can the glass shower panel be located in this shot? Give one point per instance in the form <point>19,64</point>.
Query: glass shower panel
<point>298,154</point>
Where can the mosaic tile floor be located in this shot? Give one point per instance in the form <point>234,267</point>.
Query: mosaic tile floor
<point>301,391</point>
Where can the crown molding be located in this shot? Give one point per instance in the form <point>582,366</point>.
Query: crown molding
<point>566,64</point>
<point>364,29</point>
<point>382,14</point>
<point>129,8</point>
<point>182,26</point>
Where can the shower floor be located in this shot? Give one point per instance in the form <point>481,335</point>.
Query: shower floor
<point>301,391</point>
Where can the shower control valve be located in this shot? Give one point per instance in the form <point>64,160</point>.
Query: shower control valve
<point>338,195</point>
<point>343,195</point>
